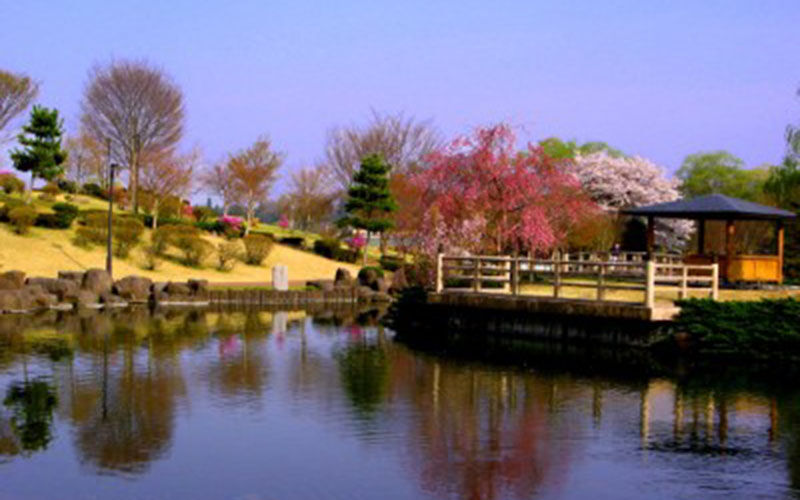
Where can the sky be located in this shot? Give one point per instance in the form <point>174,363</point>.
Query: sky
<point>661,79</point>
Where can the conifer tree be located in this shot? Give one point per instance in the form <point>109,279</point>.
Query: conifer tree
<point>41,152</point>
<point>369,200</point>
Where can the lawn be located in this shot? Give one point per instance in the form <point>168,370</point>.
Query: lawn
<point>44,252</point>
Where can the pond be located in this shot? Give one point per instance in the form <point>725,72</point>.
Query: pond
<point>294,405</point>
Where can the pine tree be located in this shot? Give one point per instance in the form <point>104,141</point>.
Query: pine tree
<point>41,154</point>
<point>369,201</point>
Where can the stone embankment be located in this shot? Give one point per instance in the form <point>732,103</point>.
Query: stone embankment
<point>93,289</point>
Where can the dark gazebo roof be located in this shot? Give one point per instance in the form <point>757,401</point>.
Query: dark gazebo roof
<point>712,206</point>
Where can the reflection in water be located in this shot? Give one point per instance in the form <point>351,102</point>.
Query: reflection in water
<point>361,414</point>
<point>31,404</point>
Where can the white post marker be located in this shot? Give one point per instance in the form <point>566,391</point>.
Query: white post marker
<point>280,278</point>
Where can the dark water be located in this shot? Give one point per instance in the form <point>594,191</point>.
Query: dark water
<point>267,405</point>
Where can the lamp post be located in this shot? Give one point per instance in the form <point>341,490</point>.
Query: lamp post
<point>111,170</point>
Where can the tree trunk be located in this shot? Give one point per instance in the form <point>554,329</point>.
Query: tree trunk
<point>366,246</point>
<point>249,218</point>
<point>225,209</point>
<point>155,215</point>
<point>133,183</point>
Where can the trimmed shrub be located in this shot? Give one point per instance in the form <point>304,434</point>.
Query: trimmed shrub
<point>94,190</point>
<point>294,242</point>
<point>256,248</point>
<point>93,230</point>
<point>67,186</point>
<point>227,254</point>
<point>62,217</point>
<point>212,226</point>
<point>22,218</point>
<point>195,249</point>
<point>10,184</point>
<point>51,189</point>
<point>362,273</point>
<point>750,329</point>
<point>204,214</point>
<point>152,259</point>
<point>391,263</point>
<point>7,207</point>
<point>126,235</point>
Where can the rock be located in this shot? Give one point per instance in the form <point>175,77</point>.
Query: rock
<point>381,285</point>
<point>365,293</point>
<point>38,298</point>
<point>63,289</point>
<point>369,277</point>
<point>12,280</point>
<point>381,297</point>
<point>97,281</point>
<point>134,289</point>
<point>198,286</point>
<point>109,299</point>
<point>399,281</point>
<point>11,301</point>
<point>343,278</point>
<point>76,276</point>
<point>178,289</point>
<point>86,299</point>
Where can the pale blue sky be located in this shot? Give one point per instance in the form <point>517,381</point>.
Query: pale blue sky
<point>658,78</point>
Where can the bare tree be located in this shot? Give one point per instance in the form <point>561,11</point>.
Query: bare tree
<point>165,174</point>
<point>17,92</point>
<point>310,201</point>
<point>218,180</point>
<point>136,107</point>
<point>253,173</point>
<point>403,143</point>
<point>87,159</point>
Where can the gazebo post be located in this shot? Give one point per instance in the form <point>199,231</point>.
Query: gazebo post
<point>730,246</point>
<point>651,237</point>
<point>701,236</point>
<point>779,240</point>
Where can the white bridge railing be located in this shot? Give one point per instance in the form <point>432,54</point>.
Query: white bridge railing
<point>512,275</point>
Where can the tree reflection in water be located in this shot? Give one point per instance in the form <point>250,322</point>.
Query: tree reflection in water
<point>462,426</point>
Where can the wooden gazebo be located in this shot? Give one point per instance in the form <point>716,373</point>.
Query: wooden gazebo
<point>716,207</point>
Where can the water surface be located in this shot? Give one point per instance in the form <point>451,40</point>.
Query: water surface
<point>277,405</point>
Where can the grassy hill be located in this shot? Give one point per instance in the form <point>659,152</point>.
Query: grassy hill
<point>44,252</point>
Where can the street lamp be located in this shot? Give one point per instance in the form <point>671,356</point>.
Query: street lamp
<point>111,169</point>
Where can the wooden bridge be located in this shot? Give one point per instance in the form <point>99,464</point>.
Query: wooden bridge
<point>624,285</point>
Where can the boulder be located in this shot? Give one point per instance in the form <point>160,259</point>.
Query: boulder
<point>76,276</point>
<point>86,299</point>
<point>109,299</point>
<point>97,281</point>
<point>63,289</point>
<point>37,297</point>
<point>381,297</point>
<point>12,301</point>
<point>198,286</point>
<point>399,281</point>
<point>369,277</point>
<point>134,289</point>
<point>12,280</point>
<point>178,289</point>
<point>324,285</point>
<point>365,293</point>
<point>381,286</point>
<point>343,278</point>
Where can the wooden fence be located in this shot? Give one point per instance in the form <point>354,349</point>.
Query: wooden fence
<point>503,274</point>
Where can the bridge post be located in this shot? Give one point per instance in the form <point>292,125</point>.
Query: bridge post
<point>601,282</point>
<point>650,287</point>
<point>439,273</point>
<point>476,275</point>
<point>715,281</point>
<point>515,275</point>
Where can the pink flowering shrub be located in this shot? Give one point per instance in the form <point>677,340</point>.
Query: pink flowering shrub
<point>357,242</point>
<point>283,222</point>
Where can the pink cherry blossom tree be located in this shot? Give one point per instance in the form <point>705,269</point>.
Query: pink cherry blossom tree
<point>483,195</point>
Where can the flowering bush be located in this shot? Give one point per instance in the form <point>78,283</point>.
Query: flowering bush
<point>357,242</point>
<point>283,221</point>
<point>232,225</point>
